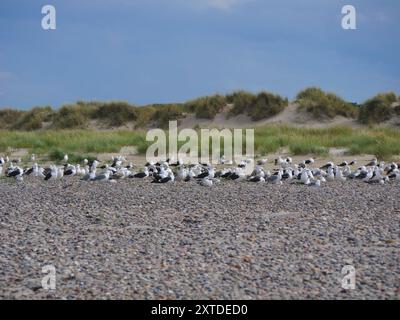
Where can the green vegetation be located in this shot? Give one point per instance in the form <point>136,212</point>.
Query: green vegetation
<point>206,107</point>
<point>267,105</point>
<point>71,116</point>
<point>56,143</point>
<point>241,101</point>
<point>85,114</point>
<point>8,117</point>
<point>34,118</point>
<point>324,105</point>
<point>116,113</point>
<point>260,106</point>
<point>379,108</point>
<point>382,142</point>
<point>79,144</point>
<point>163,113</point>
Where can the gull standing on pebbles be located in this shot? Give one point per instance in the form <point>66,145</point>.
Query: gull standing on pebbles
<point>206,182</point>
<point>103,176</point>
<point>275,179</point>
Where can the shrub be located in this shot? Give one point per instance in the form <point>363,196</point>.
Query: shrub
<point>266,105</point>
<point>378,108</point>
<point>34,118</point>
<point>206,107</point>
<point>388,97</point>
<point>116,113</point>
<point>8,117</point>
<point>144,116</point>
<point>324,105</point>
<point>260,106</point>
<point>165,113</point>
<point>242,102</point>
<point>71,116</point>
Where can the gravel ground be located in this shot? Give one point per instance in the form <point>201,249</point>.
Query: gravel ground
<point>136,240</point>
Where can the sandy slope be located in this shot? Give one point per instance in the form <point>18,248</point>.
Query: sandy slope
<point>289,116</point>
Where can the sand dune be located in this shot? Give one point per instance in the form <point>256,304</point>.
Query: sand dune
<point>289,116</point>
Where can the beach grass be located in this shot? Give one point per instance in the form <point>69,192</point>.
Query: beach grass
<point>384,142</point>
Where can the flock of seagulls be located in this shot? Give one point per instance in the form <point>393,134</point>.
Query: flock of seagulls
<point>205,174</point>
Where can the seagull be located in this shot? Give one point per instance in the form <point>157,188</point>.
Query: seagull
<point>141,175</point>
<point>28,171</point>
<point>309,161</point>
<point>70,170</point>
<point>168,178</point>
<point>80,171</point>
<point>275,179</point>
<point>288,174</point>
<point>17,160</point>
<point>262,162</point>
<point>258,171</point>
<point>65,158</point>
<point>372,163</point>
<point>315,183</point>
<point>330,176</point>
<point>182,173</point>
<point>256,179</point>
<point>103,176</point>
<point>339,175</point>
<point>51,174</point>
<point>279,161</point>
<point>206,182</point>
<point>304,178</point>
<point>343,164</point>
<point>16,172</point>
<point>242,164</point>
<point>395,175</point>
<point>130,166</point>
<point>237,174</point>
<point>352,163</point>
<point>89,176</point>
<point>210,172</point>
<point>38,171</point>
<point>368,175</point>
<point>326,166</point>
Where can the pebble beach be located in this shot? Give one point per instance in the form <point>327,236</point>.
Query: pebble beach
<point>136,240</point>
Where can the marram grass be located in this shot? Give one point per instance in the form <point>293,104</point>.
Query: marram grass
<point>384,142</point>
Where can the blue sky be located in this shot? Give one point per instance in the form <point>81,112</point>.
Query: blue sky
<point>153,51</point>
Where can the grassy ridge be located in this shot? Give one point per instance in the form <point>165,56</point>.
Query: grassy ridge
<point>324,105</point>
<point>79,144</point>
<point>379,108</point>
<point>316,102</point>
<point>260,106</point>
